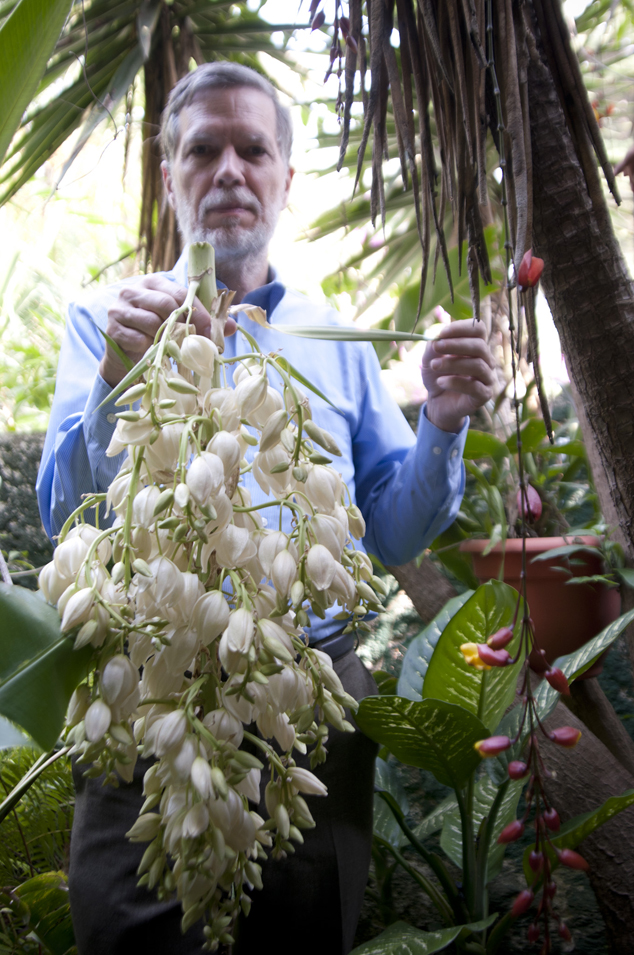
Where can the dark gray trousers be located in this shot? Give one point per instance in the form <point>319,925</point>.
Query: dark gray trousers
<point>311,900</point>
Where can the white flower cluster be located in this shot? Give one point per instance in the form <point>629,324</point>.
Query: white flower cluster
<point>190,589</point>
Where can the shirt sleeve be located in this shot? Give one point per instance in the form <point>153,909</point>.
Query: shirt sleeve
<point>409,489</point>
<point>74,458</point>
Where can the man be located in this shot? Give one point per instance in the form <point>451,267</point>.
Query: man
<point>227,146</point>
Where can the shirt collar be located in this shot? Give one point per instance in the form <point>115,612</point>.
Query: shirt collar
<point>267,296</point>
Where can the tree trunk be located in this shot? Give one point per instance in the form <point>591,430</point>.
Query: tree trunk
<point>590,294</point>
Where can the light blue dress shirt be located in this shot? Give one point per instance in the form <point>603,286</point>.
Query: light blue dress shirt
<point>408,489</point>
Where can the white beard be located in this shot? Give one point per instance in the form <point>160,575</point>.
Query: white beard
<point>232,242</point>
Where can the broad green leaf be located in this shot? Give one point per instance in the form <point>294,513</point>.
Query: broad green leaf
<point>626,574</point>
<point>385,825</point>
<point>575,449</point>
<point>483,797</point>
<point>27,38</point>
<point>576,830</point>
<point>386,683</point>
<point>420,650</point>
<point>486,693</point>
<point>479,444</point>
<point>434,821</point>
<point>574,664</point>
<point>566,550</point>
<point>39,669</point>
<point>432,734</point>
<point>533,433</point>
<point>403,939</point>
<point>46,898</point>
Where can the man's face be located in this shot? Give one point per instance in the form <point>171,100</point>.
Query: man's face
<point>228,181</point>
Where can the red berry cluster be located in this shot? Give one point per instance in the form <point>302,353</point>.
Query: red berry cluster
<point>546,818</point>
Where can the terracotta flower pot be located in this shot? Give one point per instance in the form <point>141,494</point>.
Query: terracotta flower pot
<point>565,615</point>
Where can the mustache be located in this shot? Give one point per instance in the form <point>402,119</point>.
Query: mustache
<point>218,198</point>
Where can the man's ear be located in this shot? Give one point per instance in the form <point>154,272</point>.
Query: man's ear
<point>290,172</point>
<point>167,182</point>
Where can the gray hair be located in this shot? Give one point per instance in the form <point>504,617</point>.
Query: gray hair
<point>221,75</point>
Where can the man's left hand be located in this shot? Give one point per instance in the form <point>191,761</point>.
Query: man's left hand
<point>457,373</point>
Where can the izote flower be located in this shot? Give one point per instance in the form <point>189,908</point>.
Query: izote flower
<point>190,586</point>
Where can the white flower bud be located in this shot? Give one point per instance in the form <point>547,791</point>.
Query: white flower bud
<point>119,679</point>
<point>97,721</point>
<point>224,400</point>
<point>224,726</point>
<point>181,760</point>
<point>272,403</point>
<point>166,584</point>
<point>304,781</point>
<point>170,733</point>
<point>145,828</point>
<point>240,631</point>
<point>251,393</point>
<point>321,566</point>
<point>196,821</point>
<point>356,522</point>
<point>205,477</point>
<point>234,546</point>
<point>270,546</point>
<point>52,584</point>
<point>283,572</point>
<point>272,724</point>
<point>330,533</point>
<point>88,534</point>
<point>343,585</point>
<point>69,556</point>
<point>272,631</point>
<point>144,504</point>
<point>250,785</point>
<point>199,354</point>
<point>117,492</point>
<point>78,608</point>
<point>211,616</point>
<point>200,775</point>
<point>272,430</point>
<point>79,702</point>
<point>181,496</point>
<point>227,448</point>
<point>323,488</point>
<point>163,454</point>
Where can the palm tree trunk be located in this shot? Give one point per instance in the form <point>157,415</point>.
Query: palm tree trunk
<point>591,297</point>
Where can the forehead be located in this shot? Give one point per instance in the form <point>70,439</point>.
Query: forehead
<point>240,111</point>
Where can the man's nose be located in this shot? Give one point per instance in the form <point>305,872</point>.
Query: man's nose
<point>229,171</point>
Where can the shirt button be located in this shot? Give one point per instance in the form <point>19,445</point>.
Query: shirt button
<point>437,450</point>
<point>454,453</point>
<point>111,418</point>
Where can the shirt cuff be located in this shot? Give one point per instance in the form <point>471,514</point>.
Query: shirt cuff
<point>439,450</point>
<point>99,423</point>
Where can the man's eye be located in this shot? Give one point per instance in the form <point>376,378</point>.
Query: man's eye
<point>200,149</point>
<point>256,150</point>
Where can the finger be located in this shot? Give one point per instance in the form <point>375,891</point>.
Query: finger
<point>471,347</point>
<point>467,327</point>
<point>201,318</point>
<point>230,327</point>
<point>466,386</point>
<point>465,367</point>
<point>122,317</point>
<point>157,282</point>
<point>160,301</point>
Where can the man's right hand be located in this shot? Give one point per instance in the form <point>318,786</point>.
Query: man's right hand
<point>138,313</point>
